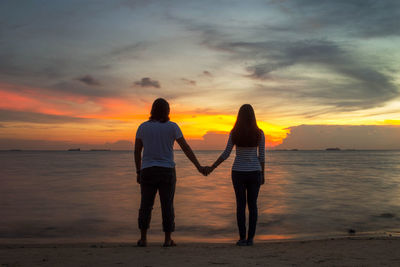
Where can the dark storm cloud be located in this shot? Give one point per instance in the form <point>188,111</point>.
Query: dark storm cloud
<point>33,117</point>
<point>364,18</point>
<point>88,80</point>
<point>364,86</point>
<point>147,82</point>
<point>277,55</point>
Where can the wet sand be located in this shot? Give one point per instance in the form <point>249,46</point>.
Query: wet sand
<point>330,252</point>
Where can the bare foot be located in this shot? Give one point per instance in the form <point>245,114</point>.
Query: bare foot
<point>169,243</point>
<point>241,242</point>
<point>142,243</point>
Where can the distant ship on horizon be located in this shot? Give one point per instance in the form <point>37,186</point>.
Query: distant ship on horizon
<point>74,149</point>
<point>333,149</point>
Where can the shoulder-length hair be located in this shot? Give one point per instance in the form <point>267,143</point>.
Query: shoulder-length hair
<point>245,132</point>
<point>160,110</point>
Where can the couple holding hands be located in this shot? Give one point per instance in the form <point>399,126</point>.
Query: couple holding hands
<point>156,168</point>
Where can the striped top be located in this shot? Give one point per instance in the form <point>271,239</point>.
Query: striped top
<point>246,157</point>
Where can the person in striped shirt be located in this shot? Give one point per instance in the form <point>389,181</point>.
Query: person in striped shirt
<point>247,169</point>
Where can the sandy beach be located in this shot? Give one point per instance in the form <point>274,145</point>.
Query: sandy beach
<point>330,252</point>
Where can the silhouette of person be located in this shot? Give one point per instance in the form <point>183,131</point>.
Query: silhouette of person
<point>247,169</point>
<point>156,169</point>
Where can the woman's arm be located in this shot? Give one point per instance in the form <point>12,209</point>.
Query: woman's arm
<point>224,155</point>
<point>262,173</point>
<point>217,162</point>
<point>189,153</point>
<point>138,157</point>
<point>261,156</point>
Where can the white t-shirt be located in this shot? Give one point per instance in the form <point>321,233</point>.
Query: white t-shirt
<point>158,141</point>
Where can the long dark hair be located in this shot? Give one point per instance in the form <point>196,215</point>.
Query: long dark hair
<point>245,132</point>
<point>160,110</point>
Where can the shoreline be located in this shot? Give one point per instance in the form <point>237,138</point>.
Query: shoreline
<point>182,239</point>
<point>153,243</point>
<point>350,251</point>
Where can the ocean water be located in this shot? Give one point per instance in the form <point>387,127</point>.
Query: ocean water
<point>60,196</point>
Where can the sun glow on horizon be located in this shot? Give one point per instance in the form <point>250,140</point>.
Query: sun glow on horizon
<point>107,119</point>
<point>104,119</point>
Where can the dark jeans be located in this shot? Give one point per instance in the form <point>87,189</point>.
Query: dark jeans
<point>164,180</point>
<point>246,183</point>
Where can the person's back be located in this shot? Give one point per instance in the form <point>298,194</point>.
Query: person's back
<point>247,158</point>
<point>158,141</point>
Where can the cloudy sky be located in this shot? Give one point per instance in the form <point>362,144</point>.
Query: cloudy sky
<point>88,71</point>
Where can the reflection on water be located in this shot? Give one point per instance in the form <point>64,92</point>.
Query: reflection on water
<point>93,196</point>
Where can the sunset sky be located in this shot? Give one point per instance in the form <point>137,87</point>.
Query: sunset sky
<point>88,71</point>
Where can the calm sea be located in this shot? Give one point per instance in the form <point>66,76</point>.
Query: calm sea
<point>93,196</point>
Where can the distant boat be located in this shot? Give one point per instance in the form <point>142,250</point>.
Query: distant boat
<point>332,149</point>
<point>74,149</point>
<point>15,150</point>
<point>294,149</point>
<point>100,149</point>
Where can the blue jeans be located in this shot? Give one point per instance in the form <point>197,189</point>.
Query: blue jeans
<point>163,180</point>
<point>247,186</point>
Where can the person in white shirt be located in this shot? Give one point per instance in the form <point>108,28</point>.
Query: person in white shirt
<point>247,169</point>
<point>156,168</point>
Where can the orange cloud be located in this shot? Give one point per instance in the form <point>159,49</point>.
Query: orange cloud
<point>129,113</point>
<point>23,98</point>
<point>15,101</point>
<point>39,100</point>
<point>120,109</point>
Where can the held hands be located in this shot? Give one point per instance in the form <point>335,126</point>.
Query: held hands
<point>205,170</point>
